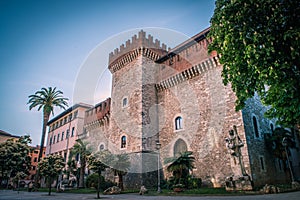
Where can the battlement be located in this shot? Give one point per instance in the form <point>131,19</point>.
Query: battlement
<point>136,41</point>
<point>97,113</point>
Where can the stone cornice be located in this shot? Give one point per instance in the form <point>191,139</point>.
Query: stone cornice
<point>189,73</point>
<point>130,56</point>
<point>97,123</point>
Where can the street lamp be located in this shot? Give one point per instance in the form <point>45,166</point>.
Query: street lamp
<point>285,144</point>
<point>158,145</point>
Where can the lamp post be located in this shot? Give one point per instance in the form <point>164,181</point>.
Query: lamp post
<point>285,144</point>
<point>158,145</point>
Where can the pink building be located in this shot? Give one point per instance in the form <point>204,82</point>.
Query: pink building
<point>64,130</point>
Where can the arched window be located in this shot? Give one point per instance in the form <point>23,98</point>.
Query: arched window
<point>178,123</point>
<point>179,147</point>
<point>125,102</point>
<point>255,126</point>
<point>123,141</point>
<point>101,147</point>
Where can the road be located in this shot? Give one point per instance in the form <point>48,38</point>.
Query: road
<point>15,195</point>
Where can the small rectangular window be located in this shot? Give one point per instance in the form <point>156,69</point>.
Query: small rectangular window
<point>262,163</point>
<point>125,102</point>
<point>73,129</point>
<point>123,141</point>
<point>62,136</point>
<point>255,126</point>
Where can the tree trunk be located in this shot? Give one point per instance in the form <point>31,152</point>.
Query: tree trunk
<point>98,187</point>
<point>46,116</point>
<point>121,181</point>
<point>49,193</point>
<point>81,178</point>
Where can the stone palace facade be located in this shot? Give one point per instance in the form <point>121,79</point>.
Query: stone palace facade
<point>176,98</point>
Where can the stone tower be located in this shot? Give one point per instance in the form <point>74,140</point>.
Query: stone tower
<point>134,110</point>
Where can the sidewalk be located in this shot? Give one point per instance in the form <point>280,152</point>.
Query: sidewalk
<point>15,195</point>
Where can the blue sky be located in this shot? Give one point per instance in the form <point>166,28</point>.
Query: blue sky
<point>45,43</point>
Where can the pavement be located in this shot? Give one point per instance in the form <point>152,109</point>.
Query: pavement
<point>14,195</point>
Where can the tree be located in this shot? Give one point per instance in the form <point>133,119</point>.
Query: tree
<point>15,161</point>
<point>97,163</point>
<point>120,164</point>
<point>46,99</point>
<point>274,142</point>
<point>81,148</point>
<point>181,165</point>
<point>259,45</point>
<point>50,167</point>
<point>72,170</point>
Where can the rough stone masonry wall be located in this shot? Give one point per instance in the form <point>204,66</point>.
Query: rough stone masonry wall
<point>127,83</point>
<point>208,111</point>
<point>265,168</point>
<point>135,81</point>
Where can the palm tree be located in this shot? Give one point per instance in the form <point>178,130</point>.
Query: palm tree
<point>81,148</point>
<point>181,165</point>
<point>46,99</point>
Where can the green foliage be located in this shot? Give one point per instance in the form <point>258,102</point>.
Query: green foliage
<point>194,183</point>
<point>81,148</point>
<point>15,161</point>
<point>92,182</point>
<point>50,167</point>
<point>259,45</point>
<point>120,164</point>
<point>180,166</point>
<point>274,142</point>
<point>46,99</point>
<point>97,163</point>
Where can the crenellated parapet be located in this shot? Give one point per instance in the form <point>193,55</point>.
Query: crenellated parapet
<point>136,46</point>
<point>189,73</point>
<point>97,115</point>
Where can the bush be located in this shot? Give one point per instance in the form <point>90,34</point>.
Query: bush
<point>92,181</point>
<point>194,183</point>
